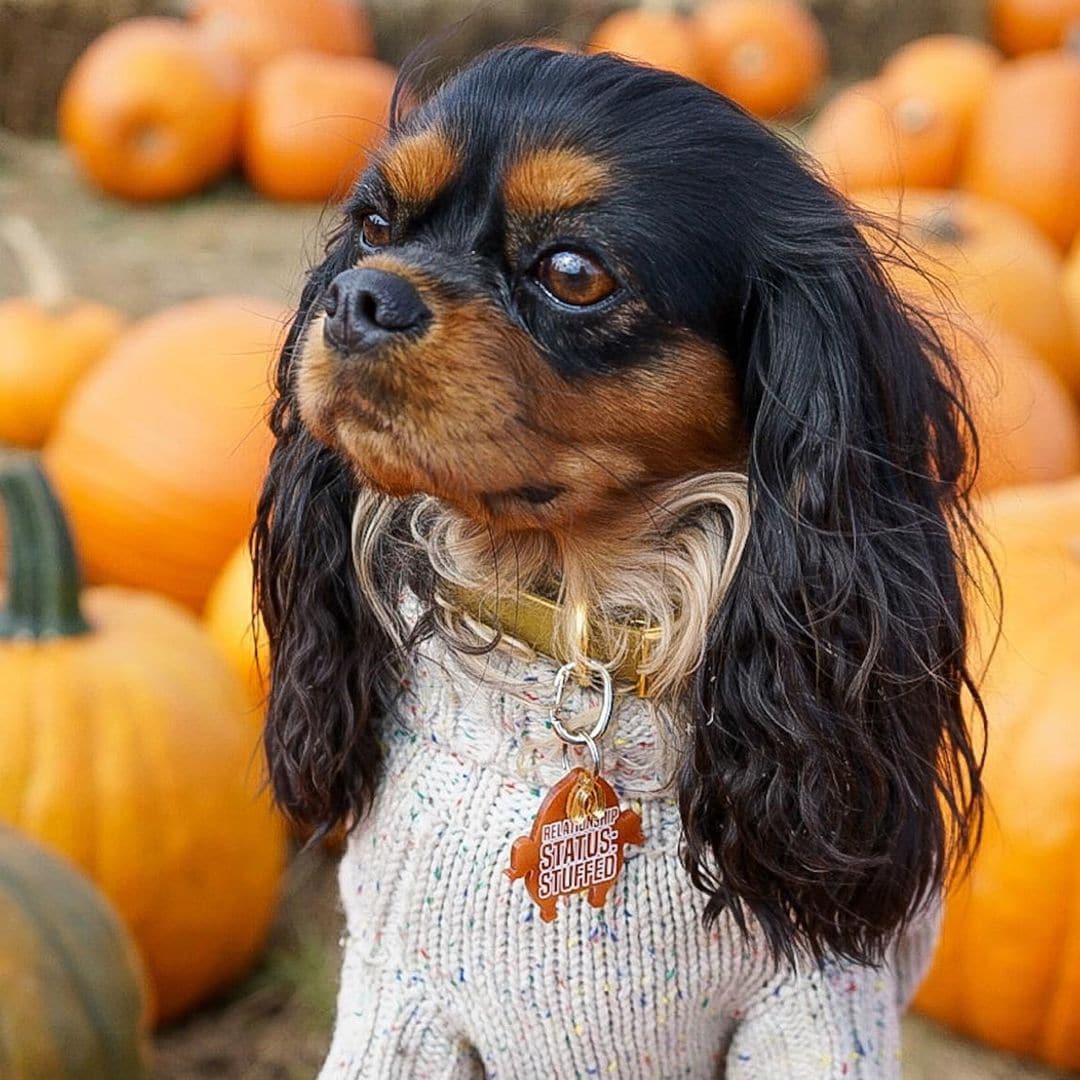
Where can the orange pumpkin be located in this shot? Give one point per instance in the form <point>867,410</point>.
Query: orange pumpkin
<point>310,121</point>
<point>1007,969</point>
<point>1025,143</point>
<point>45,353</point>
<point>1027,424</point>
<point>951,70</point>
<point>993,261</point>
<point>768,55</point>
<point>875,134</point>
<point>256,31</point>
<point>50,339</point>
<point>1024,26</point>
<point>228,620</point>
<point>150,111</point>
<point>160,452</point>
<point>127,744</point>
<point>661,39</point>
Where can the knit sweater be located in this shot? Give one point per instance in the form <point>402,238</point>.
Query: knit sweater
<point>449,972</point>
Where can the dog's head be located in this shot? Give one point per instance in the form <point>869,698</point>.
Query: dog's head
<point>564,283</point>
<point>540,274</point>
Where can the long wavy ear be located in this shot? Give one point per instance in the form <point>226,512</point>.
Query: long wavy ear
<point>832,777</point>
<point>328,652</point>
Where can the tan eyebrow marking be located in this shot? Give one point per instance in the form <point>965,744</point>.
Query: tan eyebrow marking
<point>419,166</point>
<point>554,179</point>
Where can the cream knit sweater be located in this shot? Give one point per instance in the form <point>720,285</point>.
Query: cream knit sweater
<point>449,973</point>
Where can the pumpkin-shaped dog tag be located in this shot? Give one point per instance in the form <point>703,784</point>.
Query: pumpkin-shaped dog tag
<point>576,843</point>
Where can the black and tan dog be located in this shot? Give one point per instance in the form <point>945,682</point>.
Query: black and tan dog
<point>590,333</point>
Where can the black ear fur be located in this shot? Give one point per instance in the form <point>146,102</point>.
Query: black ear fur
<point>330,658</point>
<point>832,773</point>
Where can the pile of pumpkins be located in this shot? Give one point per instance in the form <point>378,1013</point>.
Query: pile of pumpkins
<point>158,108</point>
<point>129,720</point>
<point>290,90</point>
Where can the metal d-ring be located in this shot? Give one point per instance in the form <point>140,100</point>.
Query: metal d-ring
<point>594,754</point>
<point>581,738</point>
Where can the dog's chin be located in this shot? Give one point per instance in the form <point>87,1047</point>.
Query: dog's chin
<point>387,456</point>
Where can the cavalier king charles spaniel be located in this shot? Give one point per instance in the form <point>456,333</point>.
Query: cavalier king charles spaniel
<point>615,539</point>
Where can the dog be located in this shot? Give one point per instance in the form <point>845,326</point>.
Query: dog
<point>602,398</point>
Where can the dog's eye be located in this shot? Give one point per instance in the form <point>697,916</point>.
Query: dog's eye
<point>375,230</point>
<point>574,278</point>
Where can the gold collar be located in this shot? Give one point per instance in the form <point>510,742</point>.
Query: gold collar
<point>531,619</point>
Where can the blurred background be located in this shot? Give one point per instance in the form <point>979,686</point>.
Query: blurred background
<point>167,174</point>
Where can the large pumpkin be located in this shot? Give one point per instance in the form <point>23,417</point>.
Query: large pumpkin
<point>152,111</point>
<point>127,744</point>
<point>161,450</point>
<point>257,31</point>
<point>310,121</point>
<point>876,134</point>
<point>953,70</point>
<point>72,990</point>
<point>768,55</point>
<point>1007,970</point>
<point>993,261</point>
<point>1028,425</point>
<point>661,39</point>
<point>1025,142</point>
<point>1023,26</point>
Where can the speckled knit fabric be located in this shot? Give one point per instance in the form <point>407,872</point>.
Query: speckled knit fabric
<point>449,973</point>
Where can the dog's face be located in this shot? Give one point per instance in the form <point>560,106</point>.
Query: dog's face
<point>526,326</point>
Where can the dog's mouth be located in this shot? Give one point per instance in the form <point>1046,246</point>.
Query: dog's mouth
<point>530,495</point>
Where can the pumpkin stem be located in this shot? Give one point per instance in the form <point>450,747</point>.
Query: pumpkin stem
<point>44,280</point>
<point>941,224</point>
<point>43,571</point>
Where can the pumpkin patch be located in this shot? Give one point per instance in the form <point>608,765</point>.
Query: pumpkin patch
<point>130,708</point>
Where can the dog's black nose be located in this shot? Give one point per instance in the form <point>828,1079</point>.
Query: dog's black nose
<point>365,307</point>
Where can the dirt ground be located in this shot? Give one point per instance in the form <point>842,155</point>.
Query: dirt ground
<point>276,1024</point>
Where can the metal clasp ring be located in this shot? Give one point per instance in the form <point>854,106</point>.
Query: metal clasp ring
<point>582,738</point>
<point>594,755</point>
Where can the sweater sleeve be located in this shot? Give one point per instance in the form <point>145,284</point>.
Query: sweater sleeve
<point>836,1021</point>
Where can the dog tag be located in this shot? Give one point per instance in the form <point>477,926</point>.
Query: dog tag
<point>576,842</point>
